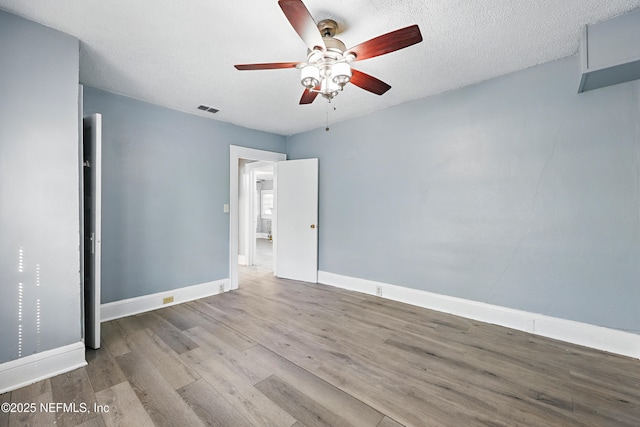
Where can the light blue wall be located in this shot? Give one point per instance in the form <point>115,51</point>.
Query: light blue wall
<point>516,192</point>
<point>39,198</point>
<point>165,181</point>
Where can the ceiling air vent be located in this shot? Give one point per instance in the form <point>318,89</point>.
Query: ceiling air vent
<point>209,109</point>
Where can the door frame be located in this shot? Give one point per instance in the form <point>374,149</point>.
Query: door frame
<point>235,154</point>
<point>91,296</point>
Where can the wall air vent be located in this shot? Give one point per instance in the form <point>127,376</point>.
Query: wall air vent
<point>208,109</point>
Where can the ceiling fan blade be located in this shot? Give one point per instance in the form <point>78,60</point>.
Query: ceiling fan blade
<point>367,82</point>
<point>301,21</point>
<point>308,97</point>
<point>267,66</point>
<point>386,43</point>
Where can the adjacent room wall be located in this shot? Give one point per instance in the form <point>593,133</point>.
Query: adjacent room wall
<point>242,211</point>
<point>517,192</point>
<point>263,224</point>
<point>165,181</point>
<point>39,181</point>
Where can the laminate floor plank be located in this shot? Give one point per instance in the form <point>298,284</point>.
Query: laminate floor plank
<point>607,373</point>
<point>93,422</point>
<point>486,372</point>
<point>74,389</point>
<point>130,325</point>
<point>617,387</point>
<point>113,338</point>
<point>350,409</point>
<point>274,336</point>
<point>168,333</point>
<point>158,397</point>
<point>223,311</point>
<point>4,415</point>
<point>137,337</point>
<point>302,407</point>
<point>388,422</point>
<point>518,345</point>
<point>211,407</point>
<point>609,407</point>
<point>102,369</point>
<point>590,412</point>
<point>528,408</point>
<point>237,391</point>
<point>294,295</point>
<point>539,404</point>
<point>35,394</point>
<point>180,317</point>
<point>163,357</point>
<point>224,355</point>
<point>221,331</point>
<point>414,315</point>
<point>214,313</point>
<point>124,407</point>
<point>399,396</point>
<point>22,395</point>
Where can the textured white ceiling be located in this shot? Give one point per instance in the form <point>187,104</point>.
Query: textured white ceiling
<point>180,54</point>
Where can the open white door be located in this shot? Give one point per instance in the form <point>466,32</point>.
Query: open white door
<point>296,242</point>
<point>92,184</point>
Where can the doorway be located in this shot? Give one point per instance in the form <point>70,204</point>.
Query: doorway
<point>261,179</point>
<point>256,214</point>
<point>295,217</point>
<point>240,156</point>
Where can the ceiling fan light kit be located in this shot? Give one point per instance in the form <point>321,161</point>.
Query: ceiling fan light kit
<point>327,71</point>
<point>328,66</point>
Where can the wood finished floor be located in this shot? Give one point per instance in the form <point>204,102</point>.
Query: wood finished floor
<point>283,353</point>
<point>264,255</point>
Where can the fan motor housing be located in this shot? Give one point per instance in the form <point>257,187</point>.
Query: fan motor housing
<point>328,27</point>
<point>334,45</point>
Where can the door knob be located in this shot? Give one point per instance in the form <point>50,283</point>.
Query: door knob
<point>313,226</point>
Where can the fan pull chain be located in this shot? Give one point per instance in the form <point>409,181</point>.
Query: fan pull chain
<point>334,109</point>
<point>327,128</point>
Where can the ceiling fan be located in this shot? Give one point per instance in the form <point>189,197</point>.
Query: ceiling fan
<point>327,69</point>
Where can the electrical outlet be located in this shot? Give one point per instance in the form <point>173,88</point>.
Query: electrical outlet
<point>379,291</point>
<point>222,288</point>
<point>167,300</point>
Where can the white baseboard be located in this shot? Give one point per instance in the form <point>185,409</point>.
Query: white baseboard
<point>30,369</point>
<point>611,340</point>
<point>262,235</point>
<point>131,306</point>
<point>242,260</point>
